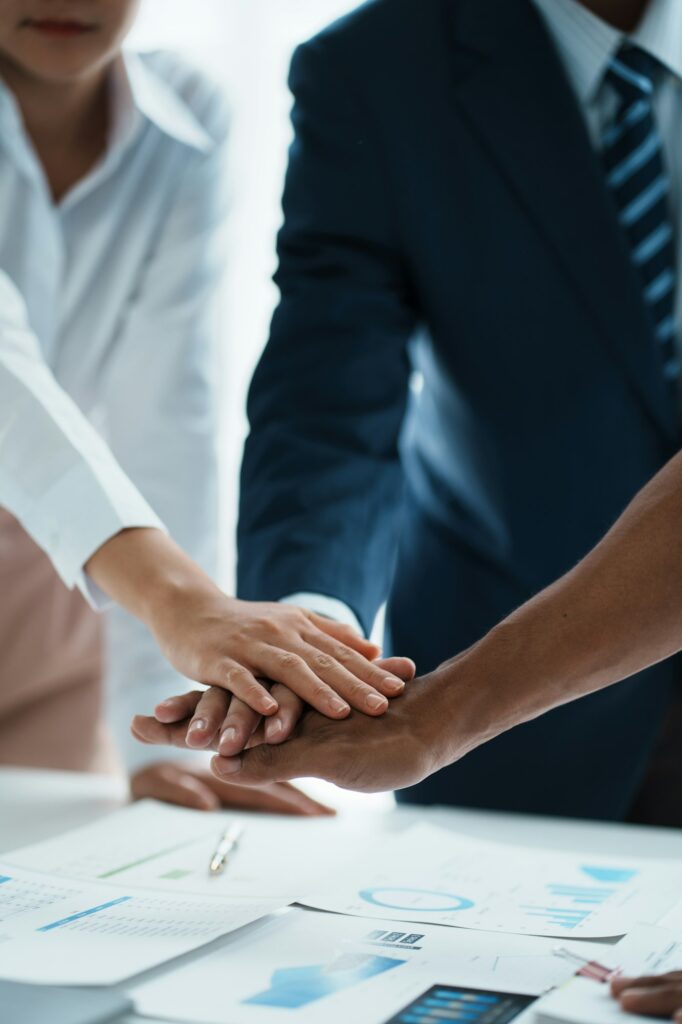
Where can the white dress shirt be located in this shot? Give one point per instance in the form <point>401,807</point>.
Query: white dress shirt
<point>108,344</point>
<point>585,45</point>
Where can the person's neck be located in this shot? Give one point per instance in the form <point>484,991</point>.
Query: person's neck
<point>67,122</point>
<point>624,15</point>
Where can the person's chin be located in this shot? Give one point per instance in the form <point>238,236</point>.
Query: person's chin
<point>70,60</point>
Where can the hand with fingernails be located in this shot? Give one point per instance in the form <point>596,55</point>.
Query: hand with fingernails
<point>217,720</point>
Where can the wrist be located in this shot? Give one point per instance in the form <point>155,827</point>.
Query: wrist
<point>481,693</point>
<point>145,572</point>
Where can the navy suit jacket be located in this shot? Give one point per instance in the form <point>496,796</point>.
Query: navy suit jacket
<point>445,211</point>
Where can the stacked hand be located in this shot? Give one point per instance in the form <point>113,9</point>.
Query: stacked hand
<point>410,741</point>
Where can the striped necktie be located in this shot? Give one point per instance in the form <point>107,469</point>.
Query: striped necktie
<point>638,181</point>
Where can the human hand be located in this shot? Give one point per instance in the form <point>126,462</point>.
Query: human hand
<point>213,718</point>
<point>199,789</point>
<point>224,642</point>
<point>220,641</point>
<point>412,740</point>
<point>653,995</point>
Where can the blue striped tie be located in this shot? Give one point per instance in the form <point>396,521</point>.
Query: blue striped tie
<point>637,178</point>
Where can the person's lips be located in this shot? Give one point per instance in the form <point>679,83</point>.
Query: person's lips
<point>60,27</point>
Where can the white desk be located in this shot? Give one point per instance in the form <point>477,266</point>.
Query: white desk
<point>35,805</point>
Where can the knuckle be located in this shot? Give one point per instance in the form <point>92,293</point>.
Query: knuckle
<point>323,662</point>
<point>289,661</point>
<point>236,676</point>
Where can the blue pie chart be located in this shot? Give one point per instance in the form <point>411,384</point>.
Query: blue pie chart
<point>429,901</point>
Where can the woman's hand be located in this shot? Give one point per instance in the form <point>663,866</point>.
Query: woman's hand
<point>199,789</point>
<point>213,719</point>
<point>232,644</point>
<point>220,641</point>
<point>653,996</point>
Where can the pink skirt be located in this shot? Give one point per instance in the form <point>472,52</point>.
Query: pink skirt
<point>51,664</point>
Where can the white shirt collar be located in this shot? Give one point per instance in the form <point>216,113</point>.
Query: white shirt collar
<point>137,89</point>
<point>138,95</point>
<point>587,44</point>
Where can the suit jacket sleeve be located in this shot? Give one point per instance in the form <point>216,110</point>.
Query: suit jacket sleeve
<point>321,479</point>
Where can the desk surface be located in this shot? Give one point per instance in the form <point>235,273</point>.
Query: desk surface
<point>35,805</point>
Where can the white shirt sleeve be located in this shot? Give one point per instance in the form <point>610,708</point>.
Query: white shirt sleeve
<point>57,476</point>
<point>160,398</point>
<point>329,607</point>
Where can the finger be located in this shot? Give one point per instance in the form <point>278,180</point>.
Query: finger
<point>174,709</point>
<point>174,786</point>
<point>347,635</point>
<point>294,672</point>
<point>403,668</point>
<point>280,727</point>
<point>370,676</point>
<point>279,798</point>
<point>264,764</point>
<point>208,717</point>
<point>240,682</point>
<point>238,726</point>
<point>662,1000</point>
<point>336,666</point>
<point>621,982</point>
<point>148,730</point>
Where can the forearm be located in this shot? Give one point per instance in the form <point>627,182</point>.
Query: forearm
<point>618,612</point>
<point>145,572</point>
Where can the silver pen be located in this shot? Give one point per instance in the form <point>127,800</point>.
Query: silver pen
<point>227,844</point>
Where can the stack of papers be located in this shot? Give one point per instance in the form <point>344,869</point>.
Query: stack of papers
<point>336,969</point>
<point>422,925</point>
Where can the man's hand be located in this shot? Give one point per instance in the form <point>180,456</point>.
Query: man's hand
<point>652,996</point>
<point>200,790</point>
<point>416,736</point>
<point>215,718</point>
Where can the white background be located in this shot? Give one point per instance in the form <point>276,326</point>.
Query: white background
<point>246,45</point>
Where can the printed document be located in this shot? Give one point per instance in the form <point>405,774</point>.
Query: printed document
<point>325,967</point>
<point>433,875</point>
<point>69,932</point>
<point>157,846</point>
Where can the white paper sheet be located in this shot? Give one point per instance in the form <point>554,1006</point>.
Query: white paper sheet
<point>646,950</point>
<point>436,876</point>
<point>157,846</point>
<point>67,932</point>
<point>336,969</point>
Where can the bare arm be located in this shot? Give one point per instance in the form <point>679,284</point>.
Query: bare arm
<point>617,612</point>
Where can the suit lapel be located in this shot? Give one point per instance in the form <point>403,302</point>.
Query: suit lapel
<point>510,86</point>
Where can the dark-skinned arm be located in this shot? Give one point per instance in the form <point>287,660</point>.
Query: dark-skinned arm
<point>616,613</point>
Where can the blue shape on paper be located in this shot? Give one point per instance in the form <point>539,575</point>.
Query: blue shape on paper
<point>377,899</point>
<point>83,913</point>
<point>5,878</point>
<point>609,874</point>
<point>293,987</point>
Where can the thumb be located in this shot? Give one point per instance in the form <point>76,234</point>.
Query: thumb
<point>264,764</point>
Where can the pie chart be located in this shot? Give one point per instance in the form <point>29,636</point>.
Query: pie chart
<point>415,900</point>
